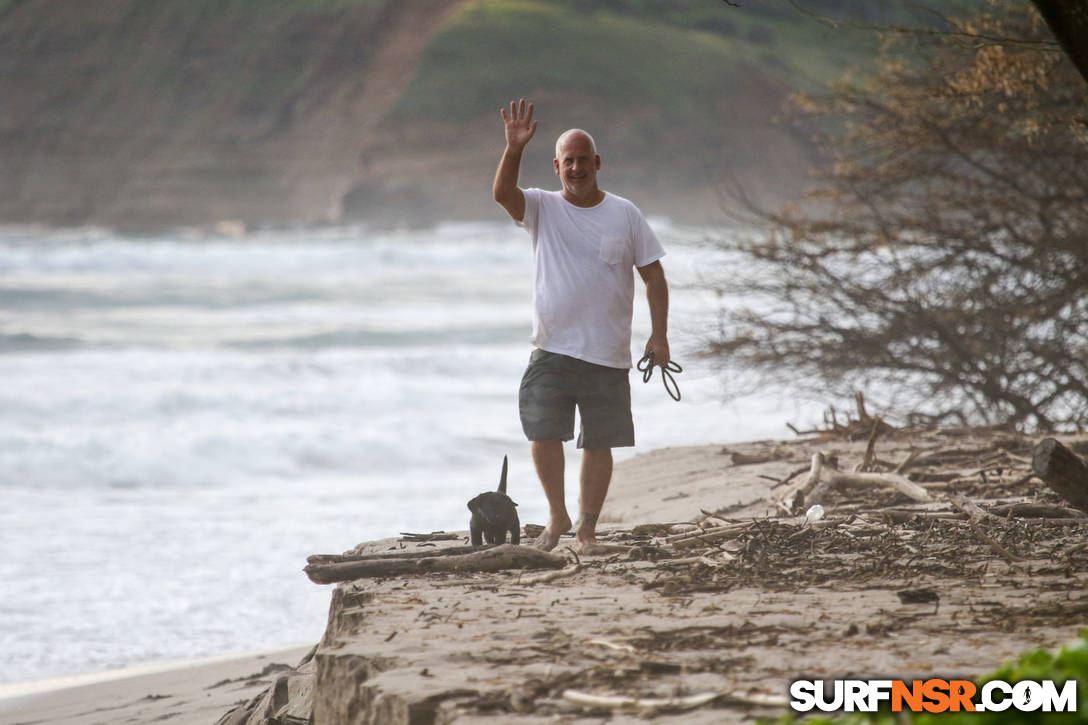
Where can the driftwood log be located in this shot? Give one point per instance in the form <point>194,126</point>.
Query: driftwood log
<point>410,554</point>
<point>497,558</point>
<point>822,478</point>
<point>1063,471</point>
<point>902,484</point>
<point>1034,511</point>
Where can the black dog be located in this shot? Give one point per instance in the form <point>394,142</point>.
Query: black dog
<point>493,514</point>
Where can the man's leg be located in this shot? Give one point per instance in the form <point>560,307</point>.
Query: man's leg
<point>548,459</point>
<point>596,475</point>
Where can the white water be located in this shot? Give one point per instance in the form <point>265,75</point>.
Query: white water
<point>183,421</point>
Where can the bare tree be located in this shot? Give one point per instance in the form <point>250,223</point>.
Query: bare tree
<point>941,264</point>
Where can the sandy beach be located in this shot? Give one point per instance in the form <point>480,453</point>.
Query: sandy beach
<point>712,601</point>
<point>195,692</point>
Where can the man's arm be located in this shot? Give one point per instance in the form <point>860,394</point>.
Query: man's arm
<point>520,128</point>
<point>657,294</point>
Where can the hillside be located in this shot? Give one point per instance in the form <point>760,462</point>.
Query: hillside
<point>151,113</point>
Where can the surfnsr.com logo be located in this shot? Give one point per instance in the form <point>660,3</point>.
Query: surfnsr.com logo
<point>933,695</point>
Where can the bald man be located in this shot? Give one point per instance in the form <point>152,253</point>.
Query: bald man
<point>585,244</point>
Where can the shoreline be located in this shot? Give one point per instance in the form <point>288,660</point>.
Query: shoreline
<point>194,691</point>
<point>40,685</point>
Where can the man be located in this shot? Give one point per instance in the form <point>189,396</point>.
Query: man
<point>585,242</point>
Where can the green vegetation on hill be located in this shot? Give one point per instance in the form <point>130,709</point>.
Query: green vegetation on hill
<point>672,56</point>
<point>678,94</point>
<point>157,112</point>
<point>504,48</point>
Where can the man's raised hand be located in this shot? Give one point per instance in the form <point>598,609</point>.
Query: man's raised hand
<point>520,125</point>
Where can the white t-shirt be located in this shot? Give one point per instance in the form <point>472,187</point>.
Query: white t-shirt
<point>583,277</point>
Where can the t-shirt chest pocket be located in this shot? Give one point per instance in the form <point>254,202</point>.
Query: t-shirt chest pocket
<point>613,250</point>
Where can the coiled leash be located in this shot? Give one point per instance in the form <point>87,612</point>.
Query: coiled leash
<point>646,366</point>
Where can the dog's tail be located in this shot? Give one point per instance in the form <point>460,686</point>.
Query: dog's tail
<point>502,478</point>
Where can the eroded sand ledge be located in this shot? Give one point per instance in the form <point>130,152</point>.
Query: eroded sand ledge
<point>756,600</point>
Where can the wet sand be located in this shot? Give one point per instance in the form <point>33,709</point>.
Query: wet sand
<point>195,692</point>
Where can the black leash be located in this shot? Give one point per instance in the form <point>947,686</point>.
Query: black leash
<point>646,366</point>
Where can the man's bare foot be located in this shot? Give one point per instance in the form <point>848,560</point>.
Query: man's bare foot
<point>550,536</point>
<point>587,545</point>
<point>586,539</point>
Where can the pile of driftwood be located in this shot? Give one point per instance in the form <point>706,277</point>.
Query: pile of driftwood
<point>847,425</point>
<point>1053,463</point>
<point>970,485</point>
<point>962,507</point>
<point>865,550</point>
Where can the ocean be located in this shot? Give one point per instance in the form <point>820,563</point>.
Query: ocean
<point>184,419</point>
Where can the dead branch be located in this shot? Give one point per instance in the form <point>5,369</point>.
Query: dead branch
<point>794,500</point>
<point>1036,511</point>
<point>433,536</point>
<point>907,462</point>
<point>870,449</point>
<point>792,475</point>
<point>498,558</point>
<point>820,481</point>
<point>1013,457</point>
<point>974,511</point>
<point>707,536</point>
<point>748,459</point>
<point>414,554</point>
<point>612,645</point>
<point>900,483</point>
<point>852,429</point>
<point>724,557</point>
<point>1079,521</point>
<point>549,577</point>
<point>991,542</point>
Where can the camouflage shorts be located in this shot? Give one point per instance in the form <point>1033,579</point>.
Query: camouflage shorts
<point>554,384</point>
